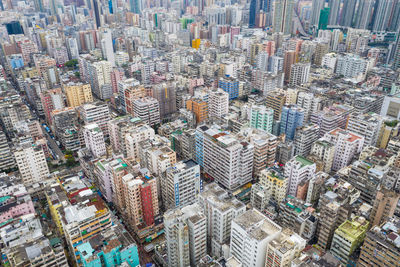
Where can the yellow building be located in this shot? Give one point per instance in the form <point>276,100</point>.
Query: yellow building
<point>196,43</point>
<point>55,198</point>
<point>29,73</point>
<point>274,179</point>
<point>348,237</point>
<point>78,94</point>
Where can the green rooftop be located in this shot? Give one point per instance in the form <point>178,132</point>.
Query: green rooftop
<point>304,161</point>
<point>5,198</point>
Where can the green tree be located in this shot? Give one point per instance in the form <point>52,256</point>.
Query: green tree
<point>71,63</point>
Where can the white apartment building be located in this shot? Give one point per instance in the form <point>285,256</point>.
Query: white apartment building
<point>227,159</point>
<point>181,184</point>
<point>220,209</point>
<point>94,140</point>
<point>347,145</point>
<point>262,61</point>
<point>304,138</point>
<point>121,58</point>
<point>329,61</point>
<point>134,136</point>
<point>97,112</point>
<point>297,170</point>
<point>282,251</point>
<point>100,75</point>
<point>218,103</point>
<point>107,47</point>
<point>309,102</point>
<point>147,109</point>
<point>299,74</point>
<point>351,66</point>
<point>366,125</point>
<point>325,152</point>
<point>250,235</point>
<point>261,118</point>
<point>186,235</point>
<point>31,163</point>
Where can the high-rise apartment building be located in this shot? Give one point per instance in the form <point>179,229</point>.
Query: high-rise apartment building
<point>283,250</point>
<point>309,102</point>
<point>347,145</point>
<point>227,159</point>
<point>229,85</point>
<point>351,66</point>
<point>291,118</point>
<point>299,74</point>
<point>78,94</point>
<point>51,100</point>
<point>118,128</point>
<point>349,237</point>
<point>316,7</point>
<point>384,206</point>
<point>283,12</point>
<point>325,152</point>
<point>331,118</point>
<point>94,140</point>
<point>364,14</point>
<point>304,138</point>
<point>199,108</point>
<point>100,79</point>
<point>186,235</point>
<point>7,159</point>
<point>220,209</point>
<point>96,112</point>
<point>380,247</point>
<point>165,94</point>
<point>276,100</point>
<point>65,127</point>
<point>147,109</point>
<point>107,46</point>
<point>366,125</point>
<point>382,15</point>
<point>261,118</point>
<point>141,199</point>
<point>298,169</point>
<point>133,137</point>
<point>275,181</point>
<point>31,163</point>
<point>289,59</point>
<point>334,12</point>
<point>335,209</point>
<point>218,103</point>
<point>265,145</point>
<point>251,232</point>
<point>128,91</point>
<point>181,184</point>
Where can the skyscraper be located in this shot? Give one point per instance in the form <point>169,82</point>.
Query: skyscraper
<point>317,6</point>
<point>38,5</point>
<point>53,7</point>
<point>334,11</point>
<point>283,16</point>
<point>348,13</point>
<point>135,6</point>
<point>382,14</point>
<point>255,7</point>
<point>364,14</point>
<point>96,9</point>
<point>323,19</point>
